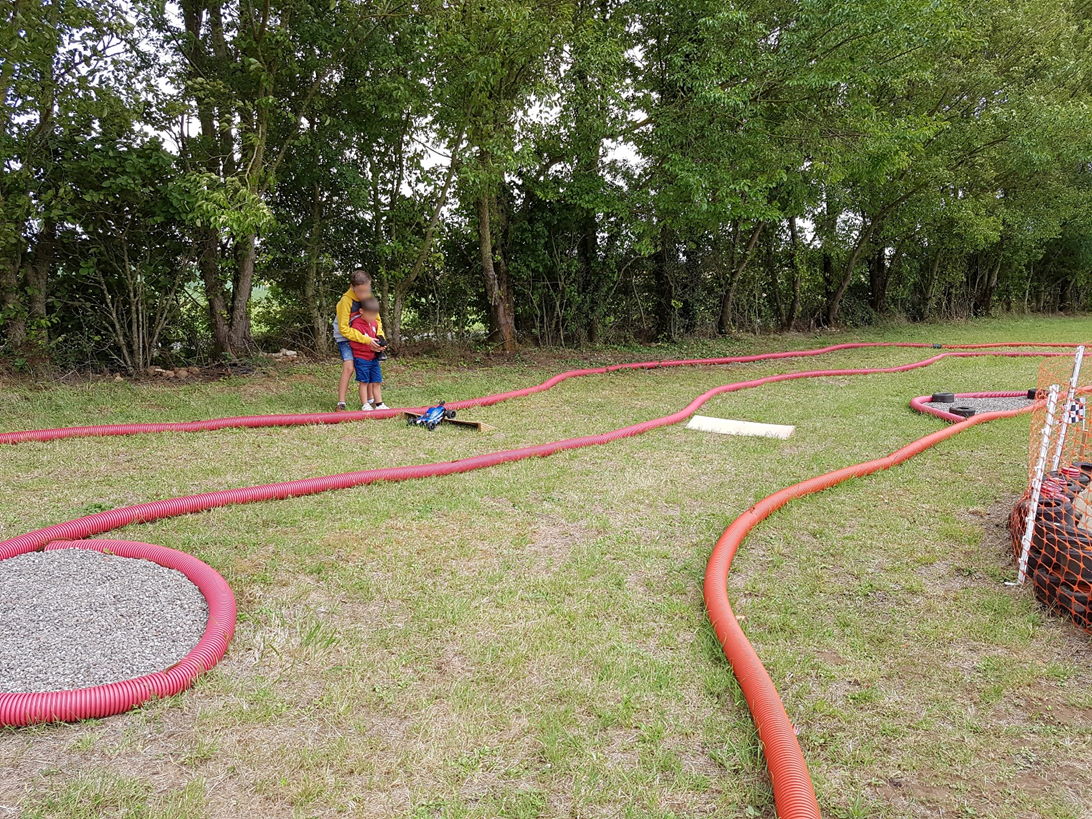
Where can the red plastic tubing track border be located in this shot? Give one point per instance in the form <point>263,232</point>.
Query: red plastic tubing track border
<point>113,698</point>
<point>107,521</point>
<point>253,421</point>
<point>794,794</point>
<point>921,403</point>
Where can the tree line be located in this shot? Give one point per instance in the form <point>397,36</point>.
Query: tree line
<point>194,178</point>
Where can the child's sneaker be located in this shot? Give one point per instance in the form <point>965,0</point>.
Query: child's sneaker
<point>380,405</point>
<point>341,407</point>
<point>366,408</point>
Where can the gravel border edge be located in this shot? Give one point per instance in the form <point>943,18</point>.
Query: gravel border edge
<point>21,709</point>
<point>921,403</point>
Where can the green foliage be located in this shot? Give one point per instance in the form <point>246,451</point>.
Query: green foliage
<point>225,205</point>
<point>648,168</point>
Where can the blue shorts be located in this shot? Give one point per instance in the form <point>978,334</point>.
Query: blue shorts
<point>368,371</point>
<point>345,350</point>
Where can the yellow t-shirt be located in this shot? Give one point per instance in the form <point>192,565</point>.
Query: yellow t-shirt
<point>341,323</point>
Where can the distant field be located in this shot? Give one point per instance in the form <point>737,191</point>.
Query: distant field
<point>530,640</point>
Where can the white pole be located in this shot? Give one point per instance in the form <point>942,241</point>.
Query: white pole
<point>1070,396</point>
<point>1037,483</point>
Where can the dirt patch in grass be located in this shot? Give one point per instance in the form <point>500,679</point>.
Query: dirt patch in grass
<point>1024,693</point>
<point>553,540</point>
<point>921,798</point>
<point>994,521</point>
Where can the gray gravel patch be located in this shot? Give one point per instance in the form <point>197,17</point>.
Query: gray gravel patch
<point>982,404</point>
<point>73,618</point>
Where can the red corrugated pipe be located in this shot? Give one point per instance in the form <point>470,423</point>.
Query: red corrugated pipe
<point>793,792</point>
<point>113,698</point>
<point>921,403</point>
<point>794,795</point>
<point>251,421</point>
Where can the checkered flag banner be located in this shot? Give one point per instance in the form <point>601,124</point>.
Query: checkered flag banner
<point>1075,412</point>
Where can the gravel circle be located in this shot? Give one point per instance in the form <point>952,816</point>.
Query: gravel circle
<point>982,404</point>
<point>73,618</point>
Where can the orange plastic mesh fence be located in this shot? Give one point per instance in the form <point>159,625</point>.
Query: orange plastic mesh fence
<point>1059,553</point>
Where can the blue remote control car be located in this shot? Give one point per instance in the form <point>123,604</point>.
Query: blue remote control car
<point>432,417</point>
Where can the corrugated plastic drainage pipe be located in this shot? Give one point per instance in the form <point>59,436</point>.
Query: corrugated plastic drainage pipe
<point>255,421</point>
<point>794,794</point>
<point>21,709</point>
<point>921,403</point>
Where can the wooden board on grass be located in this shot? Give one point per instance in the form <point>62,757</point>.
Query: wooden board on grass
<point>459,422</point>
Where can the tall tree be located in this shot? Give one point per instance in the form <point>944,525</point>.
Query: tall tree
<point>495,56</point>
<point>65,68</point>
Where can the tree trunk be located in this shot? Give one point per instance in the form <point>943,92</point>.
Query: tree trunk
<point>208,261</point>
<point>501,209</point>
<point>393,325</point>
<point>13,309</point>
<point>794,306</point>
<point>834,304</point>
<point>222,134</point>
<point>208,151</point>
<point>38,270</point>
<point>987,288</point>
<point>664,280</point>
<point>688,309</point>
<point>588,256</point>
<point>499,314</point>
<point>878,274</point>
<point>774,280</point>
<point>37,283</point>
<point>246,250</point>
<point>930,287</point>
<point>239,328</point>
<point>828,275</point>
<point>727,299</point>
<point>991,285</point>
<point>320,326</point>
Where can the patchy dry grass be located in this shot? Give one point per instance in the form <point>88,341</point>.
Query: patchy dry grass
<point>529,640</point>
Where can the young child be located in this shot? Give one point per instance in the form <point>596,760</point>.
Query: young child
<point>369,376</point>
<point>360,288</point>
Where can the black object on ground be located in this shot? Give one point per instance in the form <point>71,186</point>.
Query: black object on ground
<point>980,405</point>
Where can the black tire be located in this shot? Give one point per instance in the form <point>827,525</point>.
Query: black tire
<point>1057,537</point>
<point>1056,512</point>
<point>943,398</point>
<point>1074,602</point>
<point>1032,394</point>
<point>449,414</point>
<point>1074,566</point>
<point>1046,587</point>
<point>964,412</point>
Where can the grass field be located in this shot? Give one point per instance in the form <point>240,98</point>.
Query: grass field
<point>530,640</point>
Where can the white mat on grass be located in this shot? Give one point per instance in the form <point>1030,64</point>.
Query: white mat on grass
<point>728,426</point>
